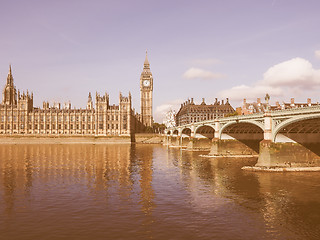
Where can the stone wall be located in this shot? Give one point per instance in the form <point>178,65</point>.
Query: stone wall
<point>232,147</point>
<point>288,155</point>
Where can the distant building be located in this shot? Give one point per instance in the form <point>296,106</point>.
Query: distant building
<point>170,119</point>
<point>190,112</point>
<point>259,107</point>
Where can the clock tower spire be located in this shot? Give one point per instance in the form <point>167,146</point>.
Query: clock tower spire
<point>146,89</point>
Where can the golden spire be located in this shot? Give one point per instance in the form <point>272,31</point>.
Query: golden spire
<point>146,61</point>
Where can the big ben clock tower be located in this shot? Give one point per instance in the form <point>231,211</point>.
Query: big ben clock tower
<point>146,88</point>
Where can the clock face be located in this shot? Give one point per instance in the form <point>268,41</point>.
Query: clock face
<point>146,83</point>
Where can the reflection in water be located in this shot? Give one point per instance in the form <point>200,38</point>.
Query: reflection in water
<point>149,192</point>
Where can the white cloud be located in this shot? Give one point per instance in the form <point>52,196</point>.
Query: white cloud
<point>317,54</point>
<point>161,110</point>
<point>287,79</point>
<point>238,93</point>
<point>198,73</point>
<point>296,72</point>
<point>206,62</point>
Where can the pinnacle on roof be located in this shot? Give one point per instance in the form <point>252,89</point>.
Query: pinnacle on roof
<point>146,61</point>
<point>146,65</point>
<point>10,78</point>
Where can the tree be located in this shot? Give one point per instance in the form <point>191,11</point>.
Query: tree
<point>158,128</point>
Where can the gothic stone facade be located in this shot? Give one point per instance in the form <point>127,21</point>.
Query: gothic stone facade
<point>146,89</point>
<point>190,112</point>
<point>19,116</point>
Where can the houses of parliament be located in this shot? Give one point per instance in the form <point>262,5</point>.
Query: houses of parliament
<point>18,115</point>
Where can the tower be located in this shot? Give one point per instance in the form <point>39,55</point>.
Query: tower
<point>89,104</point>
<point>9,95</point>
<point>146,88</point>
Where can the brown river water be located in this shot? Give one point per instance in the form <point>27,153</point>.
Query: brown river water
<point>149,192</point>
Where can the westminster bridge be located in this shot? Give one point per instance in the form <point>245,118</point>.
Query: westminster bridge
<point>282,138</point>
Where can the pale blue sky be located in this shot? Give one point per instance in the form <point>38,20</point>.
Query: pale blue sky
<point>61,49</point>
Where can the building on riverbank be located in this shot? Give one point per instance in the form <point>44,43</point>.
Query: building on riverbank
<point>190,112</point>
<point>260,107</point>
<point>19,116</point>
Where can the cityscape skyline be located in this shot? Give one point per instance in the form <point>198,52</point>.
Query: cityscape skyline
<point>204,49</point>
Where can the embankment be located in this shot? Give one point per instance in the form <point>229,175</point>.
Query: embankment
<point>139,138</point>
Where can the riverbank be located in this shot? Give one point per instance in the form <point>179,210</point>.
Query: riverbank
<point>143,138</point>
<point>281,169</point>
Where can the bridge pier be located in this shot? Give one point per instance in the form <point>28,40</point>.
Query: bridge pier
<point>185,141</point>
<point>175,141</point>
<point>287,154</point>
<point>190,143</point>
<point>231,147</point>
<point>199,144</point>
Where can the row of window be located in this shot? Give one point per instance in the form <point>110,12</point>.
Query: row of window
<point>59,126</point>
<point>185,119</point>
<point>210,111</point>
<point>66,132</point>
<point>53,118</point>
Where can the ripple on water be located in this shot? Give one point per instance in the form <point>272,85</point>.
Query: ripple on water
<point>142,192</point>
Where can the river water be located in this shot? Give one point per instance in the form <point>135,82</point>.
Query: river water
<point>149,192</point>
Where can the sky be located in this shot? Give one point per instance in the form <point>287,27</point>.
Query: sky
<point>62,50</point>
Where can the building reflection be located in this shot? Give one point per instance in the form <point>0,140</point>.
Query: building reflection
<point>119,170</point>
<point>145,158</point>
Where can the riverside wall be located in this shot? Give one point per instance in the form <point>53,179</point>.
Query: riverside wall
<point>138,138</point>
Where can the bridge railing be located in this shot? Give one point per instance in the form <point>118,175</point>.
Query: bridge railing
<point>300,110</point>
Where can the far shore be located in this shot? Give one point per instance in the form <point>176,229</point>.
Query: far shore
<point>63,139</point>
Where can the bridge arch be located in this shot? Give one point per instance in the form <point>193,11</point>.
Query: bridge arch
<point>186,132</point>
<point>302,129</point>
<point>249,133</point>
<point>205,131</point>
<point>249,126</point>
<point>175,132</point>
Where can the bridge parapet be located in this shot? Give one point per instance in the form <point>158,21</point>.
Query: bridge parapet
<point>295,111</point>
<point>289,137</point>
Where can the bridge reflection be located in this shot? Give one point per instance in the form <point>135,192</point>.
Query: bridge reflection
<point>284,201</point>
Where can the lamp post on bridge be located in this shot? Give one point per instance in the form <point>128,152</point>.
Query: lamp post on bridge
<point>267,120</point>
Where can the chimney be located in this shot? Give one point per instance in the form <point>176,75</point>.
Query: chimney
<point>222,102</point>
<point>292,101</point>
<point>227,100</point>
<point>309,101</point>
<point>192,100</point>
<point>244,101</point>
